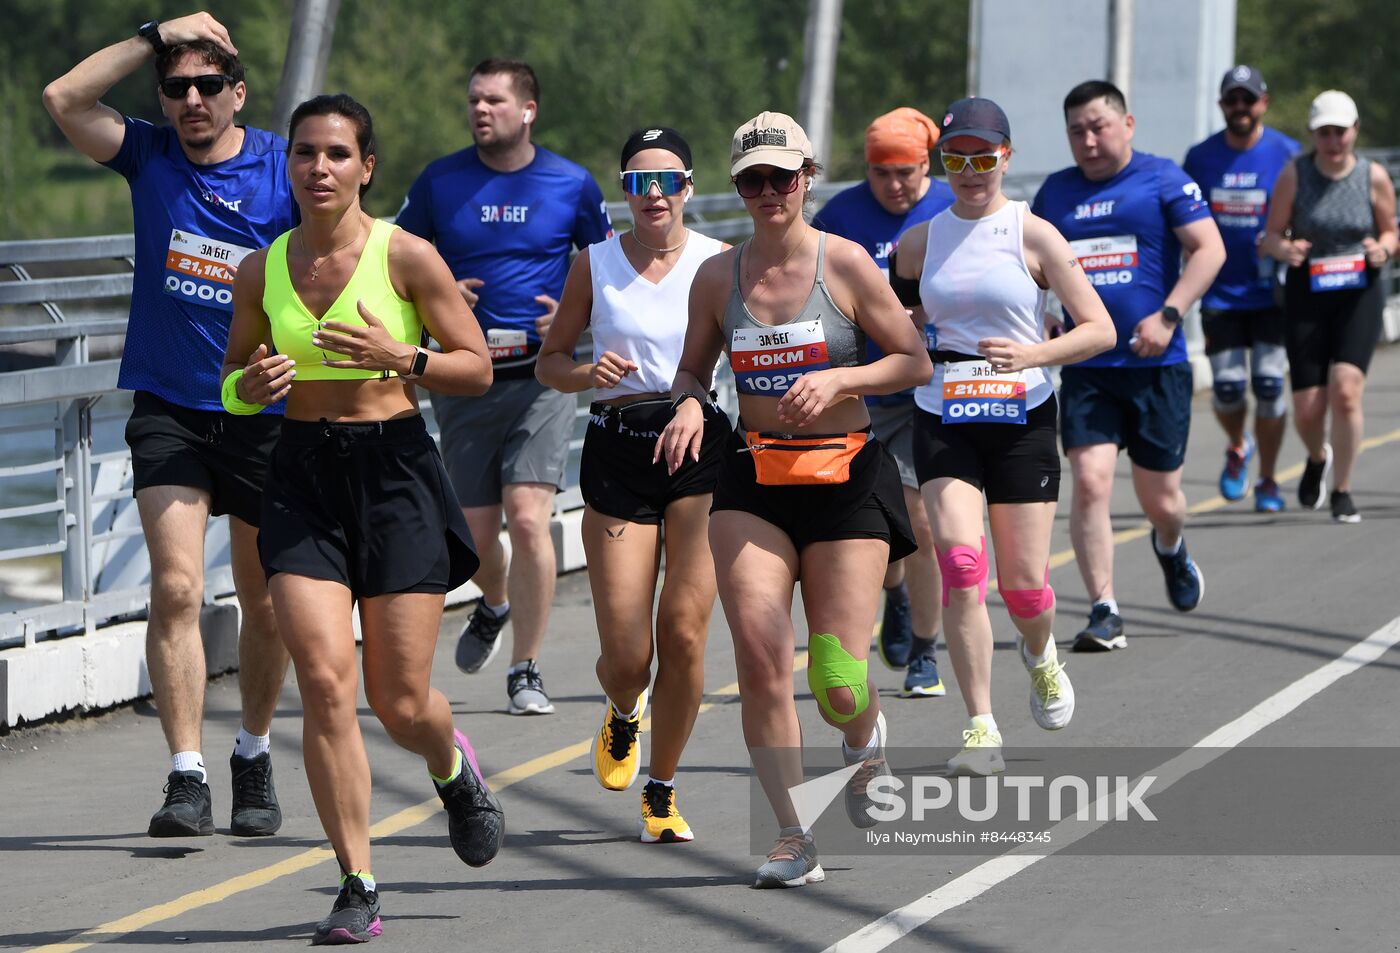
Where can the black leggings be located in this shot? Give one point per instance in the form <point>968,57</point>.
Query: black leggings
<point>1328,327</point>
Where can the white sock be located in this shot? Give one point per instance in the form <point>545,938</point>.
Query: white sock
<point>986,723</point>
<point>629,715</point>
<point>249,745</point>
<point>1168,552</point>
<point>1111,603</point>
<point>1043,657</point>
<point>670,784</point>
<point>520,666</point>
<point>499,610</point>
<point>189,761</point>
<point>872,747</point>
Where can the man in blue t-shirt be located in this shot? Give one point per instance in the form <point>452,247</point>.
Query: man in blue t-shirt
<point>897,193</point>
<point>1243,324</point>
<point>1129,216</point>
<point>204,192</point>
<point>505,215</point>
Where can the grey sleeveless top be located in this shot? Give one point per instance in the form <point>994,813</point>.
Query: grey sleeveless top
<point>768,359</point>
<point>1333,214</point>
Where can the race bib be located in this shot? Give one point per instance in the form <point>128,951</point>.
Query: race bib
<point>1240,206</point>
<point>1109,260</point>
<point>1338,273</point>
<point>974,393</point>
<point>768,361</point>
<point>504,344</point>
<point>197,269</point>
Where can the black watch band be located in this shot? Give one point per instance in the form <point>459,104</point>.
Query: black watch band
<point>675,404</point>
<point>150,32</point>
<point>1171,315</point>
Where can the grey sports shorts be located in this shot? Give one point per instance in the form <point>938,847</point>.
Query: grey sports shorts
<point>894,425</point>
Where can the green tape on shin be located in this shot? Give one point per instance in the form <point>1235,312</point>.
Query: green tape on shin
<point>831,666</point>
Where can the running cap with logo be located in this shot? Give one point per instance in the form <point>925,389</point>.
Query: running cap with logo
<point>1246,78</point>
<point>977,117</point>
<point>769,139</point>
<point>656,137</point>
<point>901,137</point>
<point>1332,107</point>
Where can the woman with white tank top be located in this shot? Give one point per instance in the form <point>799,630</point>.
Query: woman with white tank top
<point>986,421</point>
<point>633,291</point>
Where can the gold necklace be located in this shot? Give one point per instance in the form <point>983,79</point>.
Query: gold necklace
<point>316,267</point>
<point>660,251</point>
<point>763,280</point>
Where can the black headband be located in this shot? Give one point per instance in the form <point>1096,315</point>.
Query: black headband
<point>656,137</point>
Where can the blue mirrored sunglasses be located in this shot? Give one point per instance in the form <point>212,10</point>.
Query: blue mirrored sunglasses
<point>669,181</point>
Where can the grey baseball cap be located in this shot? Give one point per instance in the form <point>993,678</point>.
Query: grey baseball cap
<point>1246,78</point>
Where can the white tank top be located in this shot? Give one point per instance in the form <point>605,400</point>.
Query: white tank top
<point>640,321</point>
<point>976,285</point>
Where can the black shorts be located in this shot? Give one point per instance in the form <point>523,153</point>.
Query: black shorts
<point>616,474</point>
<point>1330,327</point>
<point>365,504</point>
<point>1231,330</point>
<point>870,505</point>
<point>1011,463</point>
<point>1146,409</point>
<point>225,455</point>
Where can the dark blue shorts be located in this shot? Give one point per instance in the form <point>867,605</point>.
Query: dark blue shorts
<point>1146,409</point>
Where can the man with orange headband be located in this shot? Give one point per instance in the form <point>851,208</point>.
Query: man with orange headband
<point>897,193</point>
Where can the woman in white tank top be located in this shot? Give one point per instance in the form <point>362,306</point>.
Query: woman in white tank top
<point>986,421</point>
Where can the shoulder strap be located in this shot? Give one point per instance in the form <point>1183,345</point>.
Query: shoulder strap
<point>821,256</point>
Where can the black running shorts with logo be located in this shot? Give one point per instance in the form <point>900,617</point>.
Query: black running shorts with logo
<point>1330,327</point>
<point>1145,409</point>
<point>1011,463</point>
<point>870,505</point>
<point>617,476</point>
<point>368,505</point>
<point>225,455</point>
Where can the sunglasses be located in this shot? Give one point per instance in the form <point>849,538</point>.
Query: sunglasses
<point>1239,99</point>
<point>669,181</point>
<point>750,184</point>
<point>210,84</point>
<point>981,164</point>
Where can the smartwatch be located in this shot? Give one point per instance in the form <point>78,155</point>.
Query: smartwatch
<point>1170,315</point>
<point>420,364</point>
<point>675,404</point>
<point>150,32</point>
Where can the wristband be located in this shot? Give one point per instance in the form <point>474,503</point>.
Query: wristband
<point>675,404</point>
<point>232,402</point>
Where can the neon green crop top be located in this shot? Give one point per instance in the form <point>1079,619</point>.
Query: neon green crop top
<point>292,324</point>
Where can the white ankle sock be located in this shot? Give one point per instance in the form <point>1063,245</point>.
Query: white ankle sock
<point>1168,552</point>
<point>1111,603</point>
<point>189,761</point>
<point>985,722</point>
<point>1042,658</point>
<point>249,745</point>
<point>499,610</point>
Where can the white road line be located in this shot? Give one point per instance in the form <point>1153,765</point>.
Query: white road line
<point>971,885</point>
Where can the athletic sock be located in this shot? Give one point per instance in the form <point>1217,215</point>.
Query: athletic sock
<point>629,715</point>
<point>456,769</point>
<point>1042,658</point>
<point>248,745</point>
<point>521,666</point>
<point>670,784</point>
<point>1168,552</point>
<point>1111,603</point>
<point>898,592</point>
<point>189,761</point>
<point>365,878</point>
<point>499,610</point>
<point>985,722</point>
<point>871,749</point>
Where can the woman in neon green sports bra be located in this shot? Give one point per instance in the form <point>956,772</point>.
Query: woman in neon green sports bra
<point>357,506</point>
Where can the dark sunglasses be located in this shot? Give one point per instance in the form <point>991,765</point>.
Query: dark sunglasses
<point>750,184</point>
<point>210,84</point>
<point>1239,99</point>
<point>669,181</point>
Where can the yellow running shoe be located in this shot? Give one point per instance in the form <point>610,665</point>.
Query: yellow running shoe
<point>617,753</point>
<point>661,823</point>
<point>981,753</point>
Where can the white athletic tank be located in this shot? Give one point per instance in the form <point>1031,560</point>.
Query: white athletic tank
<point>640,321</point>
<point>976,285</point>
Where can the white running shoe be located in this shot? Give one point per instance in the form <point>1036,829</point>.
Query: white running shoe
<point>1052,696</point>
<point>980,756</point>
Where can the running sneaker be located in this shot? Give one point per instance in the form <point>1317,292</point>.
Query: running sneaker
<point>1343,509</point>
<point>922,681</point>
<point>617,753</point>
<point>1312,486</point>
<point>1052,696</point>
<point>476,825</point>
<point>188,808</point>
<point>256,812</point>
<point>354,917</point>
<point>661,823</point>
<point>481,639</point>
<point>1234,479</point>
<point>896,629</point>
<point>791,863</point>
<point>525,687</point>
<point>980,756</point>
<point>1103,633</point>
<point>1267,498</point>
<point>1186,584</point>
<point>858,800</point>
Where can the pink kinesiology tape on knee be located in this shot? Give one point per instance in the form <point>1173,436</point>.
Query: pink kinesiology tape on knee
<point>964,567</point>
<point>1028,603</point>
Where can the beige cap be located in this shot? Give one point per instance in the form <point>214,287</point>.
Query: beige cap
<point>769,139</point>
<point>1332,107</point>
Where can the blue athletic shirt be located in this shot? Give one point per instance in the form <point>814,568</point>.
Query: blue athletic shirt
<point>1121,231</point>
<point>1238,184</point>
<point>513,230</point>
<point>856,214</point>
<point>190,222</point>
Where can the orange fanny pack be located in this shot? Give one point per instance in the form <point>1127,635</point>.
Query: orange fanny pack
<point>785,460</point>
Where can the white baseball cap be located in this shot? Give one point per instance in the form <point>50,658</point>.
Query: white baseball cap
<point>1332,107</point>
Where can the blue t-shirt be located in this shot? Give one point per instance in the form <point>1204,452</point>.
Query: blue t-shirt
<point>513,230</point>
<point>1121,230</point>
<point>1238,184</point>
<point>856,214</point>
<point>190,222</point>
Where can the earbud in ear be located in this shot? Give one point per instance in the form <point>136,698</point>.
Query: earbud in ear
<point>689,191</point>
<point>529,115</point>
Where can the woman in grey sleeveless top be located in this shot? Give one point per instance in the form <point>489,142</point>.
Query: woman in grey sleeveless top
<point>1332,221</point>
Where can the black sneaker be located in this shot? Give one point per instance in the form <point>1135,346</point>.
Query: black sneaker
<point>1312,486</point>
<point>480,640</point>
<point>256,812</point>
<point>525,689</point>
<point>896,629</point>
<point>476,825</point>
<point>353,919</point>
<point>188,808</point>
<point>1185,581</point>
<point>1343,509</point>
<point>1103,633</point>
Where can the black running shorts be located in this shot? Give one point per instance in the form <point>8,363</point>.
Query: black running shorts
<point>1330,327</point>
<point>1011,463</point>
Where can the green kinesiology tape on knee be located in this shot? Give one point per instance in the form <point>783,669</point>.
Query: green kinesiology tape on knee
<point>831,666</point>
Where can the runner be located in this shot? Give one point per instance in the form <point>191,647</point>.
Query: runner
<point>1128,217</point>
<point>204,192</point>
<point>1243,323</point>
<point>632,291</point>
<point>357,505</point>
<point>1339,212</point>
<point>805,491</point>
<point>897,193</point>
<point>986,420</point>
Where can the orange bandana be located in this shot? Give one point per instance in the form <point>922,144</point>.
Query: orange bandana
<point>902,137</point>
